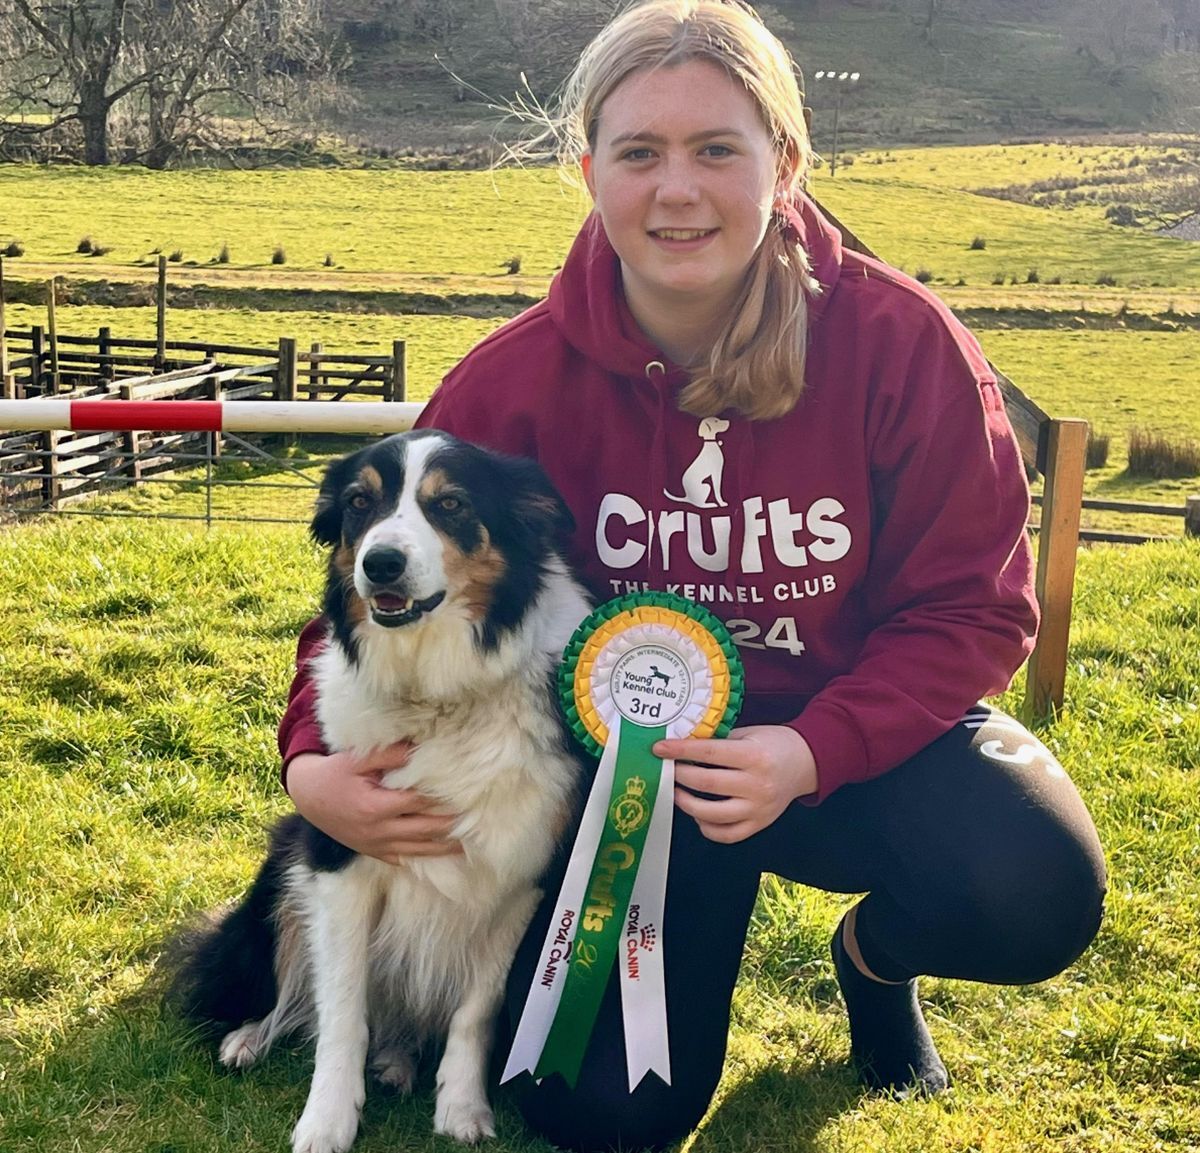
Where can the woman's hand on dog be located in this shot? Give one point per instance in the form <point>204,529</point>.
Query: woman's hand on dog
<point>342,795</point>
<point>750,777</point>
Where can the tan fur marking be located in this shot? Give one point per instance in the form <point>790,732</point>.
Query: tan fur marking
<point>432,483</point>
<point>471,577</point>
<point>343,565</point>
<point>289,945</point>
<point>369,477</point>
<point>476,575</point>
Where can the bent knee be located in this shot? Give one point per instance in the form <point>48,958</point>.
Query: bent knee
<point>1029,922</point>
<point>605,1118</point>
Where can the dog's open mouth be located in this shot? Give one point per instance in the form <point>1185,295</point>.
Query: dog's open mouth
<point>392,611</point>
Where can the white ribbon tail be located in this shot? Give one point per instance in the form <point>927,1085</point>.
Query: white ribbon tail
<point>643,986</point>
<point>550,975</point>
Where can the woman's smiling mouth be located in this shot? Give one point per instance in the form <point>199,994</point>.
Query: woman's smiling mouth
<point>681,233</point>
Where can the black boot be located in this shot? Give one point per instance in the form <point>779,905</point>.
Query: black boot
<point>889,1040</point>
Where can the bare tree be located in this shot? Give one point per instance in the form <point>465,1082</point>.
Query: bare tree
<point>66,60</point>
<point>1184,28</point>
<point>190,72</point>
<point>932,8</point>
<point>546,36</point>
<point>211,66</point>
<point>1117,33</point>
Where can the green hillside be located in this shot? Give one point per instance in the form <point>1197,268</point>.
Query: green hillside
<point>990,69</point>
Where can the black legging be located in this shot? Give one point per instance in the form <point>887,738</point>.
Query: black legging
<point>979,860</point>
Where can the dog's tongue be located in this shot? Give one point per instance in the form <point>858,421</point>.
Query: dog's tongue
<point>389,602</point>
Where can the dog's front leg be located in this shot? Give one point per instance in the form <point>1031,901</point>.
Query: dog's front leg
<point>338,923</point>
<point>462,1108</point>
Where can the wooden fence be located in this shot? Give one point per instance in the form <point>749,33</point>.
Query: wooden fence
<point>1189,511</point>
<point>42,470</point>
<point>41,362</point>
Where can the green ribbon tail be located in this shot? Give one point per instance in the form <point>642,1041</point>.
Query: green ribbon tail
<point>606,903</point>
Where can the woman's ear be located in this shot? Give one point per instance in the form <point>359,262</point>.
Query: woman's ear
<point>789,172</point>
<point>585,166</point>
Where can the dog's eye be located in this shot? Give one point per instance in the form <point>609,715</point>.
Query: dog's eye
<point>360,501</point>
<point>449,503</point>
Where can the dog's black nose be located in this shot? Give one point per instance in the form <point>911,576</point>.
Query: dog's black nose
<point>384,565</point>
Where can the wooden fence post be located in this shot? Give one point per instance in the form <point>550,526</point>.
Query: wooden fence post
<point>160,354</point>
<point>52,315</point>
<point>51,488</point>
<point>289,370</point>
<point>37,352</point>
<point>1058,542</point>
<point>3,338</point>
<point>104,347</point>
<point>314,372</point>
<point>285,384</point>
<point>215,392</point>
<point>399,381</point>
<point>1191,516</point>
<point>132,439</point>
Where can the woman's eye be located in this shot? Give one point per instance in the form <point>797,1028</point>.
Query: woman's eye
<point>360,501</point>
<point>637,154</point>
<point>718,150</point>
<point>449,503</point>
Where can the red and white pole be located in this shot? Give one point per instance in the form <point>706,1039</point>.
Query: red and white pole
<point>90,415</point>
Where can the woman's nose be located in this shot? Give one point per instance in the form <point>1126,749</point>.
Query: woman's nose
<point>677,184</point>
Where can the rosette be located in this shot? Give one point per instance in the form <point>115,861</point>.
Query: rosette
<point>638,669</point>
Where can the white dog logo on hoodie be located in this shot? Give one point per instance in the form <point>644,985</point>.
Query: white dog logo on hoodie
<point>702,478</point>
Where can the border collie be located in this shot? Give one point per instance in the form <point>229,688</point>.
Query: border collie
<point>449,605</point>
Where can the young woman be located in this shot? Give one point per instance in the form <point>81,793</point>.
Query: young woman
<point>810,444</point>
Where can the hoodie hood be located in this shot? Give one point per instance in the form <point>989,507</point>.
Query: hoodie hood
<point>587,303</point>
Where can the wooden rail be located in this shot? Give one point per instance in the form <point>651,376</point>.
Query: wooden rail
<point>1189,511</point>
<point>41,363</point>
<point>44,469</point>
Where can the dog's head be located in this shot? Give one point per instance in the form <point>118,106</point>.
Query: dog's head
<point>422,524</point>
<point>712,426</point>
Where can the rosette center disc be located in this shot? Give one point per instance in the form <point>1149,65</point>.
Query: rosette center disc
<point>650,685</point>
<point>656,660</point>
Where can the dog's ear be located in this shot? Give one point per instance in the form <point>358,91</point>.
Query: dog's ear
<point>537,504</point>
<point>326,526</point>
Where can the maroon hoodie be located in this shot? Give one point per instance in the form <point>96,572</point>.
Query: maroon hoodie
<point>867,551</point>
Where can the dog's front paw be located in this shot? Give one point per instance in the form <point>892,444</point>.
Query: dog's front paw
<point>241,1048</point>
<point>326,1128</point>
<point>466,1120</point>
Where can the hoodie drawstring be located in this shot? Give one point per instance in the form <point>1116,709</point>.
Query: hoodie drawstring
<point>658,449</point>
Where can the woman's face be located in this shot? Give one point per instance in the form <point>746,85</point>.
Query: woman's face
<point>683,174</point>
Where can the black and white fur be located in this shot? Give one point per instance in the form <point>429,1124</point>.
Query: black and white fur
<point>449,606</point>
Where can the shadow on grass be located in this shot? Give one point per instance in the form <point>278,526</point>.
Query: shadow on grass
<point>132,1077</point>
<point>783,1109</point>
<point>137,1079</point>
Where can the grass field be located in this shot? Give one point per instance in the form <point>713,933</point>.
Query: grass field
<point>1076,347</point>
<point>1099,375</point>
<point>138,766</point>
<point>141,685</point>
<point>445,226</point>
<point>431,223</point>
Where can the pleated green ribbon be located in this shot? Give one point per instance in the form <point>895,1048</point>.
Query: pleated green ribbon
<point>606,904</point>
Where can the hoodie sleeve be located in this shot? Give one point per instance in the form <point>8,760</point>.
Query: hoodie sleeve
<point>949,588</point>
<point>299,731</point>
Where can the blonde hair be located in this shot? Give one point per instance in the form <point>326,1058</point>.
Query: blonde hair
<point>757,361</point>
